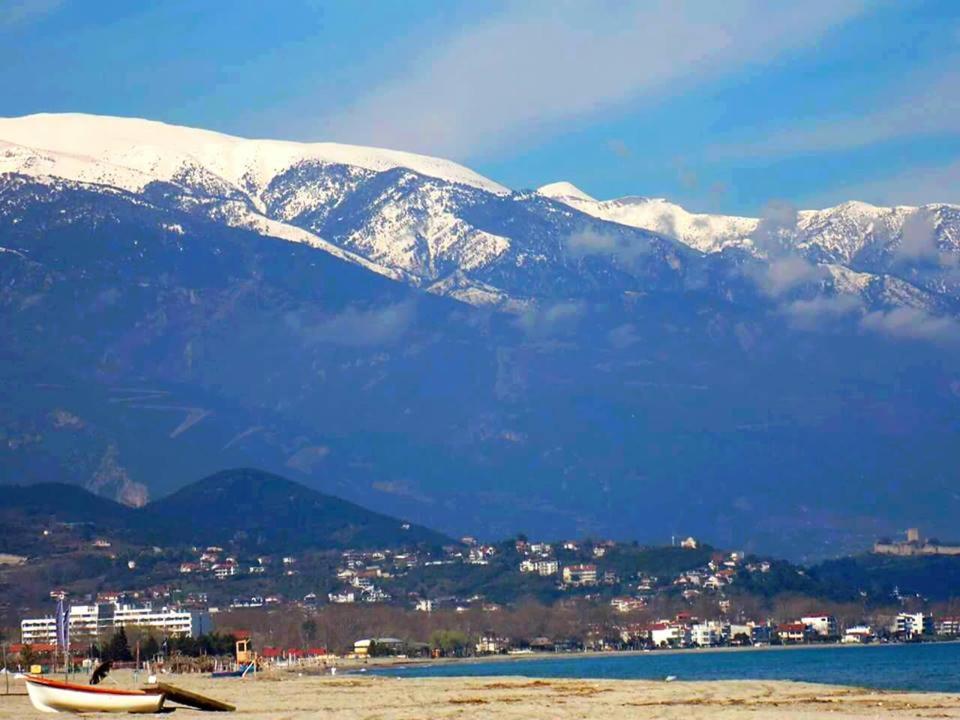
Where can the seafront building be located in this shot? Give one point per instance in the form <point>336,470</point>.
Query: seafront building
<point>822,626</point>
<point>90,623</point>
<point>910,626</point>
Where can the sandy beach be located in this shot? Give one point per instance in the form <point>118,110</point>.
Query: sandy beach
<point>286,696</point>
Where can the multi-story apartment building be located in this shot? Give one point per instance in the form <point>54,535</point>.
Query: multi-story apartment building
<point>822,626</point>
<point>89,623</point>
<point>912,625</point>
<point>579,575</point>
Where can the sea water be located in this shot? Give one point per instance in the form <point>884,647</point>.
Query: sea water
<point>926,667</point>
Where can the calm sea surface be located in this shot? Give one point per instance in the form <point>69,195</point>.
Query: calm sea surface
<point>929,667</point>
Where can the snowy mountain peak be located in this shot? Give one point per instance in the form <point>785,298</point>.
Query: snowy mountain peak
<point>564,190</point>
<point>159,151</point>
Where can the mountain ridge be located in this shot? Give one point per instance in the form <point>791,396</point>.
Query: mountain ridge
<point>439,226</point>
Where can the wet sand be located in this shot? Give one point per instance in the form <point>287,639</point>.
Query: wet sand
<point>286,696</point>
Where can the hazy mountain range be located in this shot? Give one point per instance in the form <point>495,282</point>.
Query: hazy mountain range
<point>411,335</point>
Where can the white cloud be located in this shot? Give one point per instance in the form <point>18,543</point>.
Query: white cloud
<point>536,65</point>
<point>912,324</point>
<point>356,327</point>
<point>913,107</point>
<point>591,241</point>
<point>919,237</point>
<point>811,314</point>
<point>549,320</point>
<point>775,236</point>
<point>788,272</point>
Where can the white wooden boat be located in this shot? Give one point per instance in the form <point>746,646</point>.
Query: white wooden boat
<point>55,696</point>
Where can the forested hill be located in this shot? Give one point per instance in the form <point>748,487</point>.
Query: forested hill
<point>251,509</point>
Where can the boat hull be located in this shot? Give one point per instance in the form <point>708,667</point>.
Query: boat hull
<point>52,696</point>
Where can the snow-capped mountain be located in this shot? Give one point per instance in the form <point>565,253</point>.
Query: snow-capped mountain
<point>426,221</point>
<point>707,233</point>
<point>854,238</point>
<point>440,226</point>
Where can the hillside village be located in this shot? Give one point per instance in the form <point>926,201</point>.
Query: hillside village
<point>611,596</point>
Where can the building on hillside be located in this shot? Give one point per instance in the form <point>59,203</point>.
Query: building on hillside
<point>914,545</point>
<point>90,623</point>
<point>546,567</point>
<point>689,543</point>
<point>477,556</point>
<point>542,566</point>
<point>627,604</point>
<point>822,626</point>
<point>580,575</point>
<point>910,626</point>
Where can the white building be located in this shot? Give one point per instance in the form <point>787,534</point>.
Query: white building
<point>669,634</point>
<point>546,567</point>
<point>824,626</point>
<point>579,575</point>
<point>492,645</point>
<point>705,634</point>
<point>93,622</point>
<point>861,634</point>
<point>476,556</point>
<point>912,625</point>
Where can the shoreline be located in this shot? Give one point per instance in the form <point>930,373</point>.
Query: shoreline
<point>385,662</point>
<point>934,670</point>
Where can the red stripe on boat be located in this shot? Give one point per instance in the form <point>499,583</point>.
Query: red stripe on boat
<point>81,688</point>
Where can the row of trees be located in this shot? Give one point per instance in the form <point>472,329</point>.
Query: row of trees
<point>337,627</point>
<point>121,648</point>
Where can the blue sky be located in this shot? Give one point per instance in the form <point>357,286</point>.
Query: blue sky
<point>722,106</point>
